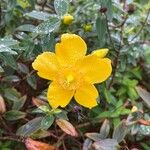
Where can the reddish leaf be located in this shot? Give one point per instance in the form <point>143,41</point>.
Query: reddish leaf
<point>67,127</point>
<point>36,145</point>
<point>2,105</point>
<point>37,102</point>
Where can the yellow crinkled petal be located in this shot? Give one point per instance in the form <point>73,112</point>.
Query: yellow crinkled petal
<point>100,52</point>
<point>58,96</point>
<point>71,48</point>
<point>47,65</point>
<point>86,95</point>
<point>95,70</point>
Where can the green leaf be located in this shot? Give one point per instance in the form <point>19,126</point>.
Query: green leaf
<point>11,78</point>
<point>105,128</point>
<point>7,41</point>
<point>120,131</point>
<point>40,134</point>
<point>26,27</point>
<point>1,69</point>
<point>17,105</point>
<point>6,49</point>
<point>14,115</point>
<point>145,95</point>
<point>32,81</point>
<point>61,7</point>
<point>9,60</point>
<point>47,121</point>
<point>40,15</point>
<point>12,94</point>
<point>48,26</point>
<point>101,27</point>
<point>30,127</point>
<point>107,144</point>
<point>23,68</point>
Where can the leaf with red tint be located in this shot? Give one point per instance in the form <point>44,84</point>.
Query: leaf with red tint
<point>37,102</point>
<point>67,127</point>
<point>36,145</point>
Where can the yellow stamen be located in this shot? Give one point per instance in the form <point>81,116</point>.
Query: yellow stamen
<point>70,78</point>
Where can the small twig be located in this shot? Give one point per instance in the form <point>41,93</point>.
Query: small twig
<point>12,138</point>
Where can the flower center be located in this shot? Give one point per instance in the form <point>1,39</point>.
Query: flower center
<point>69,78</point>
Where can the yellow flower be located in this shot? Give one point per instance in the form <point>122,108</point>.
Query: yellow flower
<point>100,52</point>
<point>67,19</point>
<point>72,73</point>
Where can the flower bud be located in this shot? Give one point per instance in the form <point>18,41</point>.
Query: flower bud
<point>134,109</point>
<point>2,105</point>
<point>87,27</point>
<point>68,19</point>
<point>100,52</point>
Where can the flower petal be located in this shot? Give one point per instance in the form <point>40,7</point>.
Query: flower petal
<point>58,96</point>
<point>86,95</point>
<point>71,48</point>
<point>46,64</point>
<point>101,53</point>
<point>95,69</point>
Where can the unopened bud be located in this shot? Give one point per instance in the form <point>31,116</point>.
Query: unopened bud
<point>68,19</point>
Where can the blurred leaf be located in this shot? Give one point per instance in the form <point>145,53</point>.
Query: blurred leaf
<point>144,130</point>
<point>38,102</point>
<point>8,41</point>
<point>9,60</point>
<point>105,128</point>
<point>11,78</point>
<point>23,68</point>
<point>1,69</point>
<point>40,134</point>
<point>107,144</point>
<point>12,94</point>
<point>120,131</point>
<point>32,81</point>
<point>48,42</point>
<point>36,145</point>
<point>40,15</point>
<point>17,105</point>
<point>6,49</point>
<point>101,27</point>
<point>67,127</point>
<point>26,27</point>
<point>30,127</point>
<point>23,3</point>
<point>62,115</point>
<point>145,95</point>
<point>14,115</point>
<point>47,121</point>
<point>2,105</point>
<point>61,7</point>
<point>94,136</point>
<point>48,26</point>
<point>87,144</point>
